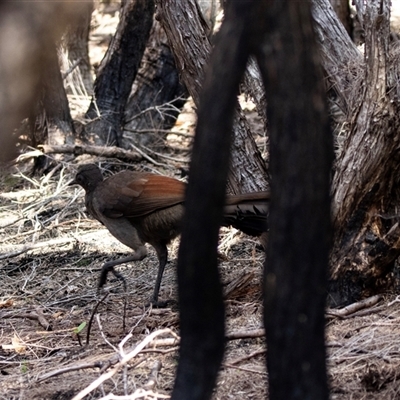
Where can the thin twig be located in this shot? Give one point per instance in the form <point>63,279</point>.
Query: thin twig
<point>119,365</point>
<point>92,316</point>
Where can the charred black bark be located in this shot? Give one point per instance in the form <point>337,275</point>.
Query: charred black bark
<point>158,95</point>
<point>200,293</point>
<point>118,71</point>
<point>301,154</point>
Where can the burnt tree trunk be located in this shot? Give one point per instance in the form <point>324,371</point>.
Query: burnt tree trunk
<point>187,35</point>
<point>157,95</point>
<point>366,179</point>
<point>117,72</point>
<point>281,37</point>
<point>301,154</point>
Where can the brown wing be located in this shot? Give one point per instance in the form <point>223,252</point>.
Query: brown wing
<point>134,194</point>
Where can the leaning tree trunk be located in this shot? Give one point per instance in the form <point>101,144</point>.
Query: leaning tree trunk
<point>118,71</point>
<point>157,95</point>
<point>342,8</point>
<point>366,180</point>
<point>187,35</point>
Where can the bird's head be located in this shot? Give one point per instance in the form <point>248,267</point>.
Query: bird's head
<point>88,176</point>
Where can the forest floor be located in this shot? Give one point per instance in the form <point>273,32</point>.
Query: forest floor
<point>51,253</point>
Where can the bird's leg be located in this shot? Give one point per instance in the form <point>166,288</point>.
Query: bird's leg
<point>140,253</point>
<point>162,254</point>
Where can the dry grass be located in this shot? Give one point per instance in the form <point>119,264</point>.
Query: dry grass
<point>51,253</point>
<point>58,282</point>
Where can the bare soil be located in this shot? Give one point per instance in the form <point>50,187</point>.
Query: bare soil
<point>51,253</point>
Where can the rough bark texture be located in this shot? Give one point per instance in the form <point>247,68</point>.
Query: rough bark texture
<point>157,95</point>
<point>76,63</point>
<point>301,150</point>
<point>342,9</point>
<point>118,71</point>
<point>366,177</point>
<point>187,35</point>
<point>52,123</point>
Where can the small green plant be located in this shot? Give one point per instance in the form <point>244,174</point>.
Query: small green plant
<point>24,367</point>
<point>79,328</point>
<point>84,262</point>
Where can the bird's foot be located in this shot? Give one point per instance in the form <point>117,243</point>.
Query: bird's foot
<point>108,267</point>
<point>158,303</point>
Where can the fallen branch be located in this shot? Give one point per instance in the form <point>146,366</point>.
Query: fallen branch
<point>255,333</point>
<point>353,308</point>
<point>35,316</point>
<point>61,371</point>
<point>138,394</point>
<point>77,150</point>
<point>24,248</point>
<point>244,369</point>
<point>247,357</point>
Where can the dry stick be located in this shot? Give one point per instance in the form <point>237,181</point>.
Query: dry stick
<point>171,350</point>
<point>92,316</point>
<point>42,320</point>
<point>148,158</point>
<point>52,374</point>
<point>245,334</point>
<point>36,316</point>
<point>11,223</point>
<point>138,394</point>
<point>247,357</point>
<point>123,362</point>
<point>96,364</point>
<point>243,369</point>
<point>111,151</point>
<point>352,308</point>
<point>369,311</point>
<point>166,157</point>
<point>152,379</point>
<point>25,248</point>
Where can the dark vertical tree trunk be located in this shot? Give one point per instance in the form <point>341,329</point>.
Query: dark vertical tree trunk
<point>200,293</point>
<point>118,71</point>
<point>301,154</point>
<point>282,39</point>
